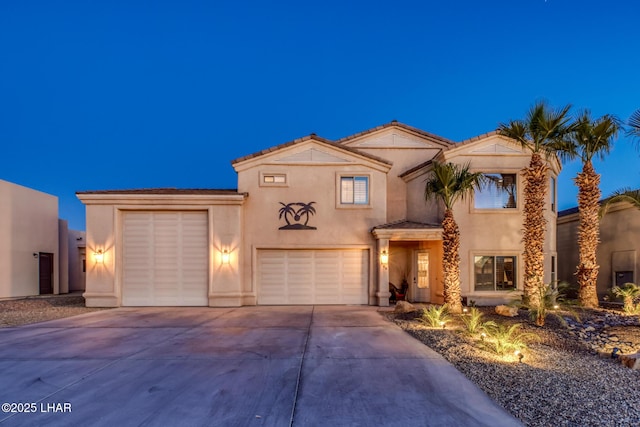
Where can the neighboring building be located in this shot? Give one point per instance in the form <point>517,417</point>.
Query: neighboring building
<point>34,248</point>
<point>617,251</point>
<point>315,221</point>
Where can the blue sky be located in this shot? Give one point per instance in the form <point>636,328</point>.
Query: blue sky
<point>135,94</point>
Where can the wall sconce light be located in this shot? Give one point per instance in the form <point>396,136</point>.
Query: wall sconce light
<point>225,256</point>
<point>35,255</point>
<point>384,258</point>
<point>99,256</point>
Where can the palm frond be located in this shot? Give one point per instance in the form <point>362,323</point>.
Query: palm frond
<point>544,129</point>
<point>634,125</point>
<point>451,182</point>
<point>621,195</point>
<point>593,137</point>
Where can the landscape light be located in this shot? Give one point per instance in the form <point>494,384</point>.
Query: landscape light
<point>520,355</point>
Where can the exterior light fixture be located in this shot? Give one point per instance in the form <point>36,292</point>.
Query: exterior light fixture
<point>555,307</point>
<point>482,336</point>
<point>520,355</point>
<point>614,353</point>
<point>443,324</point>
<point>465,310</point>
<point>384,258</point>
<point>99,256</point>
<point>225,256</point>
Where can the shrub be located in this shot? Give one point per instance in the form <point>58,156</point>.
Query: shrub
<point>552,298</point>
<point>473,322</point>
<point>436,317</point>
<point>503,339</point>
<point>629,292</point>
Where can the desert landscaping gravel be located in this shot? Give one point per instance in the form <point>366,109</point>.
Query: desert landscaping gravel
<point>562,380</point>
<point>24,311</point>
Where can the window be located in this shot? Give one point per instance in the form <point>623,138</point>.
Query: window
<point>495,273</point>
<point>354,190</point>
<point>554,276</point>
<point>552,192</point>
<point>499,192</point>
<point>273,179</point>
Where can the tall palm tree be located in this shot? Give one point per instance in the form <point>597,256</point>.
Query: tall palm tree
<point>541,132</point>
<point>449,184</point>
<point>590,138</point>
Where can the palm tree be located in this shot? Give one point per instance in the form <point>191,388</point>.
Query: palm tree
<point>541,132</point>
<point>450,183</point>
<point>590,138</point>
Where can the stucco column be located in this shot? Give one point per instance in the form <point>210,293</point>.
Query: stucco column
<point>382,294</point>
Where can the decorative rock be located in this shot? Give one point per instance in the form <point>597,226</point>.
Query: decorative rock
<point>505,310</point>
<point>630,361</point>
<point>404,307</point>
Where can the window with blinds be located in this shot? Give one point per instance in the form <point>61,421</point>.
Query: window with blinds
<point>354,190</point>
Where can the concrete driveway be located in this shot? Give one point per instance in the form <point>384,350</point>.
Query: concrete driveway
<point>249,366</point>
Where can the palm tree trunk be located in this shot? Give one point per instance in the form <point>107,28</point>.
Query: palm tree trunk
<point>451,262</point>
<point>534,229</point>
<point>588,182</point>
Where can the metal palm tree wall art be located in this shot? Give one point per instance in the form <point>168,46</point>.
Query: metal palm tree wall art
<point>296,215</point>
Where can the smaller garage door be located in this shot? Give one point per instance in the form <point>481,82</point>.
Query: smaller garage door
<point>165,259</point>
<point>333,276</point>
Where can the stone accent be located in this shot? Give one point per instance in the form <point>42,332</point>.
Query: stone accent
<point>631,361</point>
<point>505,310</point>
<point>404,307</point>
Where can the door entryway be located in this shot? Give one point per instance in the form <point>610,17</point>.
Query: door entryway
<point>420,287</point>
<point>45,268</point>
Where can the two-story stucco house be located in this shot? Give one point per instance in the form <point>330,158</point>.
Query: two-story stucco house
<point>315,221</point>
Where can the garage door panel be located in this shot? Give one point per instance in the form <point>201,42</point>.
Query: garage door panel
<point>165,258</point>
<point>335,276</point>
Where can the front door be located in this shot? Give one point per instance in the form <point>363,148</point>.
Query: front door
<point>46,272</point>
<point>420,287</point>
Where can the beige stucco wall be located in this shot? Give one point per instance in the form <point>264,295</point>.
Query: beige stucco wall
<point>104,232</point>
<point>77,253</point>
<point>618,250</point>
<point>28,225</point>
<point>405,150</point>
<point>497,232</point>
<point>336,226</point>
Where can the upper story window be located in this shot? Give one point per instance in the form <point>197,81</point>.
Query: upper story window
<point>273,179</point>
<point>354,190</point>
<point>499,192</point>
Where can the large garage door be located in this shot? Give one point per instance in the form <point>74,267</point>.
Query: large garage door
<point>313,276</point>
<point>165,259</point>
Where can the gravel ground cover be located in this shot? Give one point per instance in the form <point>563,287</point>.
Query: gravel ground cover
<point>567,376</point>
<point>23,311</point>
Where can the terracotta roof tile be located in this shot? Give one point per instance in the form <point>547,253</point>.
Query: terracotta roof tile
<point>313,137</point>
<point>395,123</point>
<point>203,191</point>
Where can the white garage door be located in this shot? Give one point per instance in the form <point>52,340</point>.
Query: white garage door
<point>165,259</point>
<point>313,276</point>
